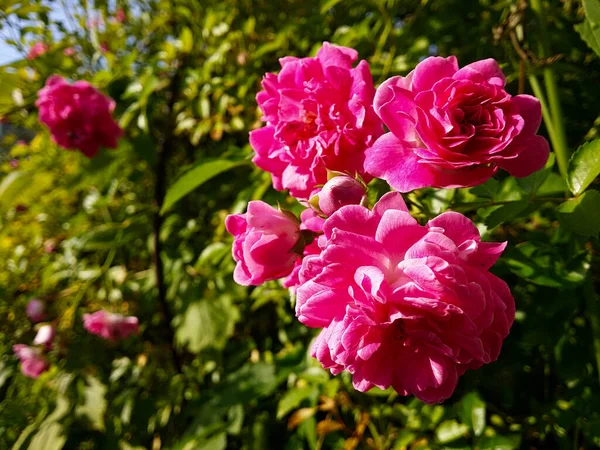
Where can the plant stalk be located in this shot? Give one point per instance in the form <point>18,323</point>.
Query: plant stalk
<point>560,138</point>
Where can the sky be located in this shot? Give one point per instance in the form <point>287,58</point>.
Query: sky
<point>9,54</point>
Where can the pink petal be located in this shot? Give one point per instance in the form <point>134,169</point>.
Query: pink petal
<point>431,70</point>
<point>530,109</point>
<point>489,68</point>
<point>533,155</point>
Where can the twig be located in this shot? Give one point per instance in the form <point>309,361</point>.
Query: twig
<point>160,187</point>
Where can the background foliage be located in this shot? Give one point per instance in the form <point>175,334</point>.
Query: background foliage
<point>230,370</point>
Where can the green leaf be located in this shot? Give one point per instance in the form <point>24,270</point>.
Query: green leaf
<point>207,323</point>
<point>94,405</point>
<point>584,166</point>
<point>505,213</point>
<point>592,11</point>
<point>194,178</point>
<point>50,437</point>
<point>500,442</point>
<point>292,399</point>
<point>487,189</point>
<point>450,430</point>
<point>12,186</point>
<point>582,214</point>
<point>533,182</point>
<point>589,29</point>
<point>472,412</point>
<point>187,40</point>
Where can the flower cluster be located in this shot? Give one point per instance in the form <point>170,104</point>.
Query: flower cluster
<point>34,359</point>
<point>401,304</point>
<point>78,115</point>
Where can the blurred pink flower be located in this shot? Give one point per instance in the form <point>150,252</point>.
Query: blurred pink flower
<point>14,163</point>
<point>112,327</point>
<point>45,336</point>
<point>319,115</point>
<point>452,127</point>
<point>36,310</point>
<point>120,15</point>
<point>263,246</point>
<point>104,47</point>
<point>33,362</point>
<point>69,51</point>
<point>37,50</point>
<point>404,305</point>
<point>78,115</point>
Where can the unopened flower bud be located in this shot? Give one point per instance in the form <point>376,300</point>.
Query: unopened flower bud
<point>340,191</point>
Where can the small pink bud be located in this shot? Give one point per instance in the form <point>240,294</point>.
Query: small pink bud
<point>120,15</point>
<point>69,51</point>
<point>45,336</point>
<point>340,191</point>
<point>14,163</point>
<point>36,310</point>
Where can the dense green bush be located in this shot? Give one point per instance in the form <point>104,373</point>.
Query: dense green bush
<point>220,366</point>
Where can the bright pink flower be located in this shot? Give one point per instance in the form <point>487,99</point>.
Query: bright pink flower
<point>69,51</point>
<point>263,246</point>
<point>404,305</point>
<point>319,116</point>
<point>112,327</point>
<point>45,336</point>
<point>33,362</point>
<point>37,50</point>
<point>340,191</point>
<point>78,115</point>
<point>36,310</point>
<point>309,221</point>
<point>452,127</point>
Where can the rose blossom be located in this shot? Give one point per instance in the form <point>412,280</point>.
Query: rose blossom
<point>340,191</point>
<point>263,246</point>
<point>45,336</point>
<point>33,362</point>
<point>37,50</point>
<point>112,327</point>
<point>36,310</point>
<point>78,115</point>
<point>452,127</point>
<point>309,221</point>
<point>319,115</point>
<point>404,305</point>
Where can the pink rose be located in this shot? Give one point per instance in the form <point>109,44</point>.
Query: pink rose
<point>309,221</point>
<point>36,310</point>
<point>263,246</point>
<point>340,191</point>
<point>78,115</point>
<point>452,127</point>
<point>37,50</point>
<point>112,327</point>
<point>404,305</point>
<point>33,362</point>
<point>319,116</point>
<point>45,336</point>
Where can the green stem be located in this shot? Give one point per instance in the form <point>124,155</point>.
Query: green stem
<point>560,138</point>
<point>539,93</point>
